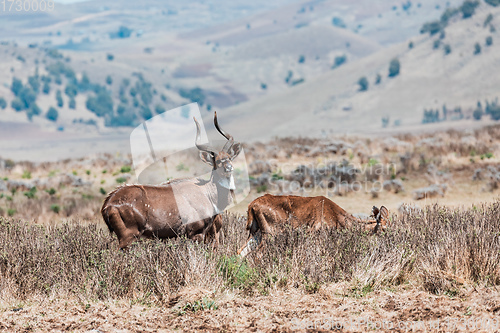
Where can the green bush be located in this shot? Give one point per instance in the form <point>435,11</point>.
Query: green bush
<point>489,41</point>
<point>31,193</point>
<point>194,95</point>
<point>27,96</point>
<point>477,48</point>
<point>101,104</point>
<point>16,86</point>
<point>55,208</point>
<point>378,79</point>
<point>394,67</point>
<point>159,109</point>
<point>59,99</point>
<point>493,110</point>
<point>71,89</point>
<point>449,13</point>
<point>488,20</point>
<point>109,80</point>
<point>468,8</point>
<point>338,22</point>
<point>494,3</point>
<point>363,83</point>
<point>128,118</point>
<point>410,45</point>
<point>17,104</point>
<point>110,57</point>
<point>125,169</point>
<point>431,27</point>
<point>145,112</point>
<point>123,32</point>
<point>3,103</point>
<point>302,59</point>
<point>339,60</point>
<point>51,191</point>
<point>121,180</point>
<point>52,114</point>
<point>34,83</point>
<point>237,272</point>
<point>59,68</point>
<point>84,83</point>
<point>34,110</point>
<point>436,44</point>
<point>46,88</point>
<point>477,114</point>
<point>447,49</point>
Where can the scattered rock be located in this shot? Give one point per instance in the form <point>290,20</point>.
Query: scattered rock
<point>430,191</point>
<point>395,185</point>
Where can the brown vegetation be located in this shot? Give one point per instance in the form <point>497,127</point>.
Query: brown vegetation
<point>438,251</point>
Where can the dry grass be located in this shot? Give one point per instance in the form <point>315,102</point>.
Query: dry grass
<point>437,251</point>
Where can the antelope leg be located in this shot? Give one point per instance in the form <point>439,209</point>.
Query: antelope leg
<point>252,243</point>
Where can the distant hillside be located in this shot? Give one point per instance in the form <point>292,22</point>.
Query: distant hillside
<point>280,68</point>
<point>437,70</point>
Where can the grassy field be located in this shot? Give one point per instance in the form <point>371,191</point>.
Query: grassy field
<point>444,254</point>
<point>61,270</point>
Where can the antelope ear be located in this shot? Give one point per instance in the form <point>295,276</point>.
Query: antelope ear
<point>384,212</point>
<point>375,212</point>
<point>234,150</point>
<point>206,157</point>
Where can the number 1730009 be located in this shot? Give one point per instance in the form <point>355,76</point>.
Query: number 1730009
<point>26,5</point>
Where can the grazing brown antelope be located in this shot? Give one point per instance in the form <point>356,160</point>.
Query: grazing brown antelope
<point>181,207</point>
<point>268,212</point>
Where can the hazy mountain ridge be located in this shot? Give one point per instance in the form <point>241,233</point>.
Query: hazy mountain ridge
<point>270,68</point>
<point>428,78</point>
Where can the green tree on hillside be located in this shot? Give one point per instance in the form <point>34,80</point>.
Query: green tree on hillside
<point>59,99</point>
<point>34,83</point>
<point>477,48</point>
<point>447,49</point>
<point>34,110</point>
<point>46,88</point>
<point>3,103</point>
<point>52,114</point>
<point>468,8</point>
<point>431,27</point>
<point>84,83</point>
<point>488,20</point>
<point>394,67</point>
<point>27,96</point>
<point>489,41</point>
<point>17,104</point>
<point>101,104</point>
<point>494,3</point>
<point>16,86</point>
<point>363,83</point>
<point>72,103</point>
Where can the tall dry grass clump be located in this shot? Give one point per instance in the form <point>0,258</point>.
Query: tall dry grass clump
<point>436,250</point>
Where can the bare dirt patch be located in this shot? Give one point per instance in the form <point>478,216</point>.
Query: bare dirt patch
<point>406,309</point>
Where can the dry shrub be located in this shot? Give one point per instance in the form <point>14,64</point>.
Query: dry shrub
<point>438,250</point>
